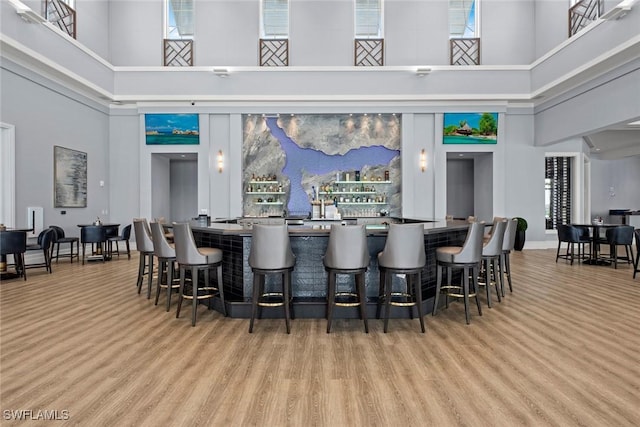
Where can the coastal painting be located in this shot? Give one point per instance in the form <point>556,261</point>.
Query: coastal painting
<point>171,129</point>
<point>470,128</point>
<point>70,178</point>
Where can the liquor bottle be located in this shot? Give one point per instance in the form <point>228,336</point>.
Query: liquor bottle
<point>386,175</point>
<point>357,175</point>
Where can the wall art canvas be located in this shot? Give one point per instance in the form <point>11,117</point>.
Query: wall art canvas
<point>70,178</point>
<point>352,161</point>
<point>171,129</point>
<point>470,128</point>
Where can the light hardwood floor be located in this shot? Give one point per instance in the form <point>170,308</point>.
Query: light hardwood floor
<point>562,350</point>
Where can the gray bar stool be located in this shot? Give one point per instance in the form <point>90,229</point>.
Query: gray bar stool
<point>508,243</point>
<point>466,257</point>
<point>403,253</point>
<point>188,255</point>
<point>271,254</point>
<point>166,254</point>
<point>491,254</point>
<point>347,253</point>
<point>144,244</point>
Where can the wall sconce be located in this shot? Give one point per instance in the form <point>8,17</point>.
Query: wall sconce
<point>423,160</point>
<point>220,161</point>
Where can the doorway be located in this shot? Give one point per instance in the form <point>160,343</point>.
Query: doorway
<point>174,186</point>
<point>470,185</point>
<point>7,175</point>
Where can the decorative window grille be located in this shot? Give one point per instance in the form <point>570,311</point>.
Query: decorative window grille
<point>62,15</point>
<point>274,29</point>
<point>274,52</point>
<point>369,52</point>
<point>557,191</point>
<point>465,51</point>
<point>583,13</point>
<point>178,53</point>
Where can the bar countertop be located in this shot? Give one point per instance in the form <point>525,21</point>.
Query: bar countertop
<point>374,226</point>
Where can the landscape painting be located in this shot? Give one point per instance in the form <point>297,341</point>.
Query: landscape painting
<point>470,128</point>
<point>171,129</point>
<point>70,178</point>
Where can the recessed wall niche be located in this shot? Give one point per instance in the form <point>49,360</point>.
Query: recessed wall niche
<point>292,162</point>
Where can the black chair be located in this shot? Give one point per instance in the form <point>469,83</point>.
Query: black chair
<point>45,243</point>
<point>636,266</point>
<point>15,243</point>
<point>572,235</point>
<point>123,237</point>
<point>60,238</point>
<point>94,234</point>
<point>620,236</point>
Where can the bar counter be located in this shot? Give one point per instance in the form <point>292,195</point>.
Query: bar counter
<point>309,239</point>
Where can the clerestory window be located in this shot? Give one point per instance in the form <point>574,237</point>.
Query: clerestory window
<point>368,19</point>
<point>179,19</point>
<point>274,19</point>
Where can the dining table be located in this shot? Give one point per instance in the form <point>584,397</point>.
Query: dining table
<point>594,233</point>
<point>111,230</point>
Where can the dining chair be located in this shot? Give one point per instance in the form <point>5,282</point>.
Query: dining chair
<point>94,234</point>
<point>15,243</point>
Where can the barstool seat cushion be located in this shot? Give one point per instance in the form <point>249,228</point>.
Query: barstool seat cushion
<point>447,253</point>
<point>211,255</point>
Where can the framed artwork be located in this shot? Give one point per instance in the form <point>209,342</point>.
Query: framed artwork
<point>171,129</point>
<point>70,178</point>
<point>470,128</point>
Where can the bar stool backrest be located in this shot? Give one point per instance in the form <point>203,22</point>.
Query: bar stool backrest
<point>144,243</point>
<point>494,246</point>
<point>471,251</point>
<point>404,248</point>
<point>13,242</point>
<point>271,248</point>
<point>93,234</point>
<point>509,240</point>
<point>161,248</point>
<point>622,235</point>
<point>185,245</point>
<point>347,248</point>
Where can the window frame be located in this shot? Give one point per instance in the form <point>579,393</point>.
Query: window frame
<point>166,29</point>
<point>263,34</point>
<point>380,34</point>
<point>476,22</point>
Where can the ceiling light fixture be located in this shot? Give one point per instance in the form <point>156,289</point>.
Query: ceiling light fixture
<point>619,10</point>
<point>423,71</point>
<point>27,14</point>
<point>221,72</point>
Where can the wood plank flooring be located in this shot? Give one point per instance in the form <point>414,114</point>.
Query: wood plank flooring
<point>562,350</point>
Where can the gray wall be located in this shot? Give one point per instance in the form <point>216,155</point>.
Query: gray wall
<point>161,185</point>
<point>614,185</point>
<point>45,115</point>
<point>483,187</point>
<point>460,199</point>
<point>184,190</point>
